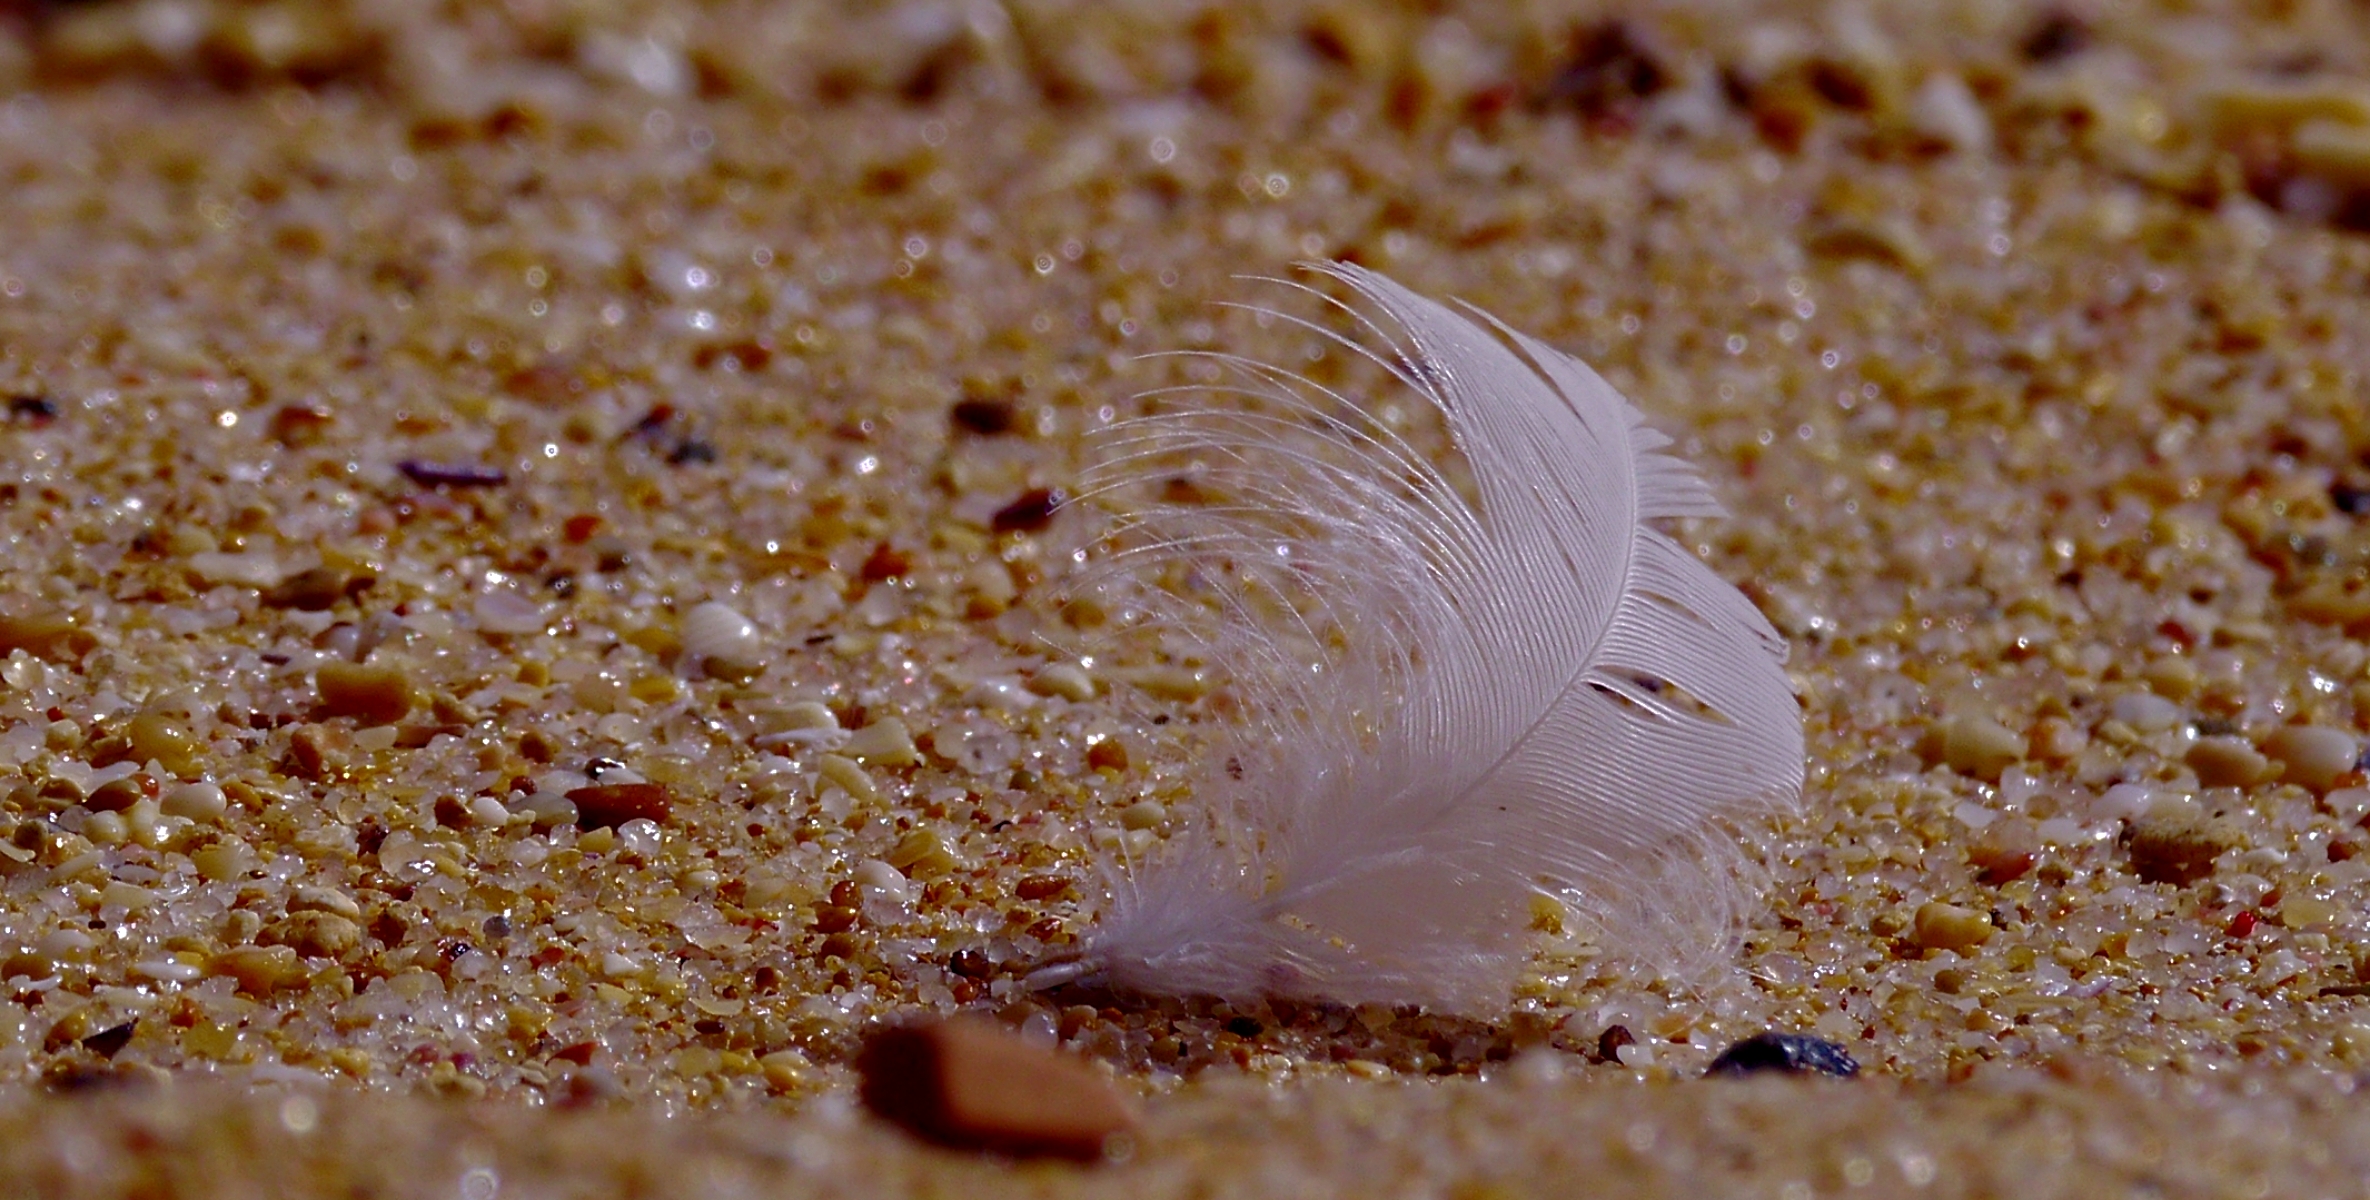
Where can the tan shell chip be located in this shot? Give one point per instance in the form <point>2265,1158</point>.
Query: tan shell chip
<point>969,1085</point>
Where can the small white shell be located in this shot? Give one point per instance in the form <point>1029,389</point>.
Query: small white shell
<point>715,633</point>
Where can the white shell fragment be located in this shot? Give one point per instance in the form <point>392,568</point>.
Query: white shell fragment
<point>718,635</point>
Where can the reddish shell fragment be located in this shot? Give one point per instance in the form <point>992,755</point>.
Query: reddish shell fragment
<point>612,804</point>
<point>969,1085</point>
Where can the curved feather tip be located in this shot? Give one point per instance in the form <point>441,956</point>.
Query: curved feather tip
<point>1456,699</point>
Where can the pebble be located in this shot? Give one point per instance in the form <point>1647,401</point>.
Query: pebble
<point>2122,802</point>
<point>452,475</point>
<point>373,695</point>
<point>1940,926</point>
<point>260,970</point>
<point>106,829</point>
<point>1031,512</point>
<point>1109,754</point>
<point>607,805</point>
<point>254,569</point>
<point>1614,1040</point>
<point>109,1041</point>
<point>164,741</point>
<point>976,745</point>
<point>314,589</point>
<point>886,742</point>
<point>115,795</point>
<point>2226,761</point>
<point>2348,803</point>
<point>1790,1053</point>
<point>921,852</point>
<point>36,629</point>
<point>314,934</point>
<point>2312,755</point>
<point>874,873</point>
<point>311,898</point>
<point>2006,849</point>
<point>969,1085</point>
<point>224,860</point>
<point>2301,912</point>
<point>848,777</point>
<point>1066,680</point>
<point>1980,746</point>
<point>125,896</point>
<point>2175,844</point>
<point>508,613</point>
<point>984,417</point>
<point>2146,711</point>
<point>807,714</point>
<point>2175,678</point>
<point>194,801</point>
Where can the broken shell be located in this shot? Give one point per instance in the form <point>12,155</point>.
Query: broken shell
<point>717,636</point>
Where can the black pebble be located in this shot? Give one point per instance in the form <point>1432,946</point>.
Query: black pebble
<point>107,1041</point>
<point>1792,1053</point>
<point>987,418</point>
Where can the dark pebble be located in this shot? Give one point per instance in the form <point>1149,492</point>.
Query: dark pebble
<point>613,804</point>
<point>1610,1042</point>
<point>739,356</point>
<point>33,410</point>
<point>428,474</point>
<point>1031,512</point>
<point>1791,1053</point>
<point>2059,35</point>
<point>885,562</point>
<point>2350,500</point>
<point>987,418</point>
<point>691,450</point>
<point>107,1041</point>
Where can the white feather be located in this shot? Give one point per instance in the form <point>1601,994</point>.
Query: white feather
<point>1448,706</point>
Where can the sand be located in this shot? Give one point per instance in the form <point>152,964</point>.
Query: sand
<point>533,576</point>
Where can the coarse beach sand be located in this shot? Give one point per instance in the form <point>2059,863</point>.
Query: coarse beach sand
<point>534,552</point>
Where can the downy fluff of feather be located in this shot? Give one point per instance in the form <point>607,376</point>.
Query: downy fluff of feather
<point>1448,706</point>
